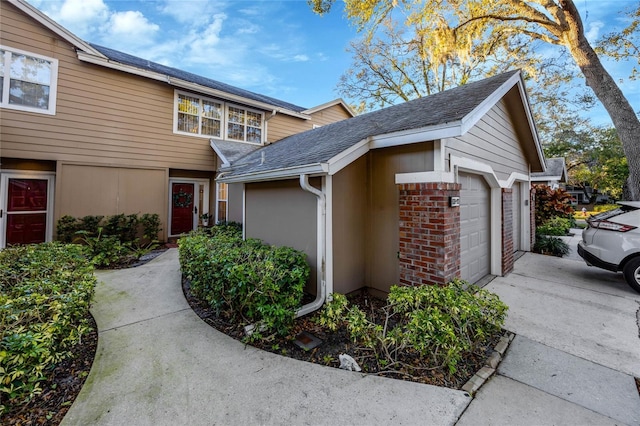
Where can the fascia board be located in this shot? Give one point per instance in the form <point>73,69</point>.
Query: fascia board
<point>329,104</point>
<point>279,174</point>
<point>348,156</point>
<point>530,120</point>
<point>225,161</point>
<point>542,178</point>
<point>183,84</point>
<point>54,26</point>
<point>489,102</point>
<point>423,134</point>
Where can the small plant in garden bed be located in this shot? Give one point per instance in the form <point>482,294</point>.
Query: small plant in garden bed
<point>45,292</point>
<point>553,246</point>
<point>113,241</point>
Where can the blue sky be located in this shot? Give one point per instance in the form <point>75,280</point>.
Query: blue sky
<point>278,48</point>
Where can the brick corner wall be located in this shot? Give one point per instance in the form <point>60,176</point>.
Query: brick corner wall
<point>507,231</point>
<point>429,246</point>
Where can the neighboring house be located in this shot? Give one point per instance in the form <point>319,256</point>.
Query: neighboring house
<point>86,130</point>
<point>554,176</point>
<point>416,193</point>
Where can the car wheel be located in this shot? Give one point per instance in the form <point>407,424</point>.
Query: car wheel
<point>631,273</point>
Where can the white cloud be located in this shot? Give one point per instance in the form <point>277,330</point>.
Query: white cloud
<point>81,17</point>
<point>300,58</point>
<point>195,12</point>
<point>131,23</point>
<point>593,32</point>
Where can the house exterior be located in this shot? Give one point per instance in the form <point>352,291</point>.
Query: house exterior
<point>86,130</point>
<point>555,174</point>
<point>416,193</point>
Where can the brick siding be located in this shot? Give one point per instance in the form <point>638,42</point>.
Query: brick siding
<point>507,230</point>
<point>429,233</point>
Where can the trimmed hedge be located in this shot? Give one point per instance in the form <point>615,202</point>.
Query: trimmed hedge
<point>45,293</point>
<point>247,281</point>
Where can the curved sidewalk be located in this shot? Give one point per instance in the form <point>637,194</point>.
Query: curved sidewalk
<point>158,363</point>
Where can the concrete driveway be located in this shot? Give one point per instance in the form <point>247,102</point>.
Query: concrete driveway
<point>576,351</point>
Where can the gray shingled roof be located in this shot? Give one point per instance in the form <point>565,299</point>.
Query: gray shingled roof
<point>321,144</point>
<point>555,167</point>
<point>144,64</point>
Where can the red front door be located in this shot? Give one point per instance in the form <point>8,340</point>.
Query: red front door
<point>182,204</point>
<point>26,211</point>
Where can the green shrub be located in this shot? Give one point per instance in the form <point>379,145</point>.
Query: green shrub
<point>66,229</point>
<point>124,227</point>
<point>434,322</point>
<point>45,292</point>
<point>150,226</point>
<point>550,245</point>
<point>555,226</point>
<point>247,281</point>
<point>105,250</point>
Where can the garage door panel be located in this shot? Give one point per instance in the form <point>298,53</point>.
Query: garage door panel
<point>474,228</point>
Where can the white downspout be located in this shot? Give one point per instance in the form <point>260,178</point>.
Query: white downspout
<point>321,219</point>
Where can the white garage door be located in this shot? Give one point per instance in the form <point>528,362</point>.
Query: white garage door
<point>517,216</point>
<point>475,228</point>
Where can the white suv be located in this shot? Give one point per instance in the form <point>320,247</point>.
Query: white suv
<point>612,242</point>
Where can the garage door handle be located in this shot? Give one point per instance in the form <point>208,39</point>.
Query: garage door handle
<point>1,213</point>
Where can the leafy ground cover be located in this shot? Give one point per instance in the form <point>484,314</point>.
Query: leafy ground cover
<point>336,342</point>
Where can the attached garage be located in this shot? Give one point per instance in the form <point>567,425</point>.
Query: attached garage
<point>417,193</point>
<point>475,227</point>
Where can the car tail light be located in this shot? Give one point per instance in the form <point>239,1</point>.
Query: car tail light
<point>611,226</point>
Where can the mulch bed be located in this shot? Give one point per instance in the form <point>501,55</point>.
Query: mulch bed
<point>336,343</point>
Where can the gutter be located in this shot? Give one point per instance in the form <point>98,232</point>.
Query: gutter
<point>322,244</point>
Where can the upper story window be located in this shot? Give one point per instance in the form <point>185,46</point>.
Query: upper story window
<point>196,115</point>
<point>27,81</point>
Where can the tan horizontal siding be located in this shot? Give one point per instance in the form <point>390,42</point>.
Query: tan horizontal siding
<point>281,126</point>
<point>330,115</point>
<point>494,141</point>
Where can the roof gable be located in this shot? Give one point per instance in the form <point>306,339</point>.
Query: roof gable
<point>444,114</point>
<point>556,169</point>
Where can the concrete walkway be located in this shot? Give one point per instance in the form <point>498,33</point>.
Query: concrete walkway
<point>157,363</point>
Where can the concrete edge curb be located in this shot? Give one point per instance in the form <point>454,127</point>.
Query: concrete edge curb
<point>491,365</point>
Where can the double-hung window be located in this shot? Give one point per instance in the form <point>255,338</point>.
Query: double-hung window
<point>200,116</point>
<point>27,81</point>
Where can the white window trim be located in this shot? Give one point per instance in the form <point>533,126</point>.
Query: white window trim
<point>26,174</point>
<point>226,213</point>
<point>223,121</point>
<point>53,84</point>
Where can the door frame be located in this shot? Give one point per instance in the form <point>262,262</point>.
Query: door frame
<point>196,200</point>
<point>5,175</point>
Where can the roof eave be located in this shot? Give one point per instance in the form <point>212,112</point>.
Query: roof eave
<point>49,23</point>
<point>277,174</point>
<point>183,84</point>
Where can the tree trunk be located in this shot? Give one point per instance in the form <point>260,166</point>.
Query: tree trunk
<point>605,88</point>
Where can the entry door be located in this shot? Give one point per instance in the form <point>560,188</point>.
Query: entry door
<point>24,210</point>
<point>183,210</point>
<point>189,199</point>
<point>517,216</point>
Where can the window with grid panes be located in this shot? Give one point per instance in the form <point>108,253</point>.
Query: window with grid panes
<point>27,81</point>
<point>206,117</point>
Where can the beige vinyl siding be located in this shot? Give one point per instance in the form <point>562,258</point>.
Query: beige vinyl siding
<point>330,115</point>
<point>350,210</point>
<point>281,126</point>
<point>83,190</point>
<point>494,141</point>
<point>383,238</point>
<point>102,116</point>
<point>283,214</point>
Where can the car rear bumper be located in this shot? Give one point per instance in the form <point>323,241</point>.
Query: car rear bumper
<point>594,260</point>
